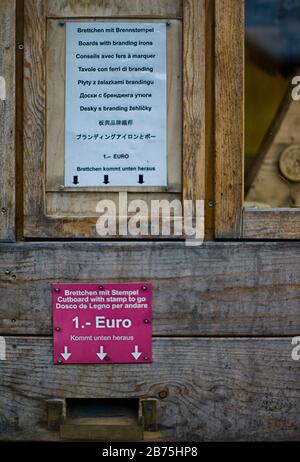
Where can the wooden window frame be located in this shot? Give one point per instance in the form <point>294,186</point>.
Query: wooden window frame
<point>8,96</point>
<point>37,224</point>
<point>232,219</point>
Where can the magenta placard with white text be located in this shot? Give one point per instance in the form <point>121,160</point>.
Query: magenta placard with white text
<point>102,323</point>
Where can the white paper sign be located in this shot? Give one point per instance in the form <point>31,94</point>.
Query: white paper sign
<point>116,104</point>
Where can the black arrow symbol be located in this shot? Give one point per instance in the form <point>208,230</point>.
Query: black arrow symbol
<point>141,179</point>
<point>75,180</point>
<point>106,180</point>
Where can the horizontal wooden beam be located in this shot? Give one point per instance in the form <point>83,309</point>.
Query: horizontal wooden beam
<point>217,289</point>
<point>219,389</point>
<point>271,223</point>
<point>229,117</point>
<point>114,8</point>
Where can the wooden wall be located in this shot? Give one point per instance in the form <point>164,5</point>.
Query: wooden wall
<point>224,318</point>
<point>224,313</point>
<point>218,289</point>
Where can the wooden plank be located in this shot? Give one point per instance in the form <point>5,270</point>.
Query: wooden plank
<point>19,118</point>
<point>220,389</point>
<point>114,8</point>
<point>116,429</point>
<point>7,119</point>
<point>209,123</point>
<point>194,55</point>
<point>271,223</point>
<point>34,112</point>
<point>215,289</point>
<point>229,116</point>
<point>56,80</point>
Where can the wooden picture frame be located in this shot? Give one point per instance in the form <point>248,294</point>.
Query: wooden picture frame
<point>49,214</point>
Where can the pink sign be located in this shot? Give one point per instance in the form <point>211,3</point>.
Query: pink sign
<point>97,324</point>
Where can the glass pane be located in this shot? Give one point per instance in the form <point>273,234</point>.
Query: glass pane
<point>272,110</point>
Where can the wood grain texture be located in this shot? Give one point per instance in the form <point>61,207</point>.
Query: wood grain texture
<point>7,119</point>
<point>194,55</point>
<point>229,116</point>
<point>19,118</point>
<point>220,389</point>
<point>56,81</point>
<point>114,8</point>
<point>217,289</point>
<point>209,122</point>
<point>271,223</point>
<point>34,111</point>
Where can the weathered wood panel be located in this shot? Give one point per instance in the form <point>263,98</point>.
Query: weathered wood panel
<point>229,110</point>
<point>271,223</point>
<point>194,56</point>
<point>220,389</point>
<point>209,123</point>
<point>7,119</point>
<point>34,111</point>
<point>111,8</point>
<point>215,289</point>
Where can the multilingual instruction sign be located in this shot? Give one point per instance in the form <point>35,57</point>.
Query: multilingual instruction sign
<point>116,104</point>
<point>96,324</point>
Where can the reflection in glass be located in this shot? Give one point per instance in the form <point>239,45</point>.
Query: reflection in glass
<point>272,116</point>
